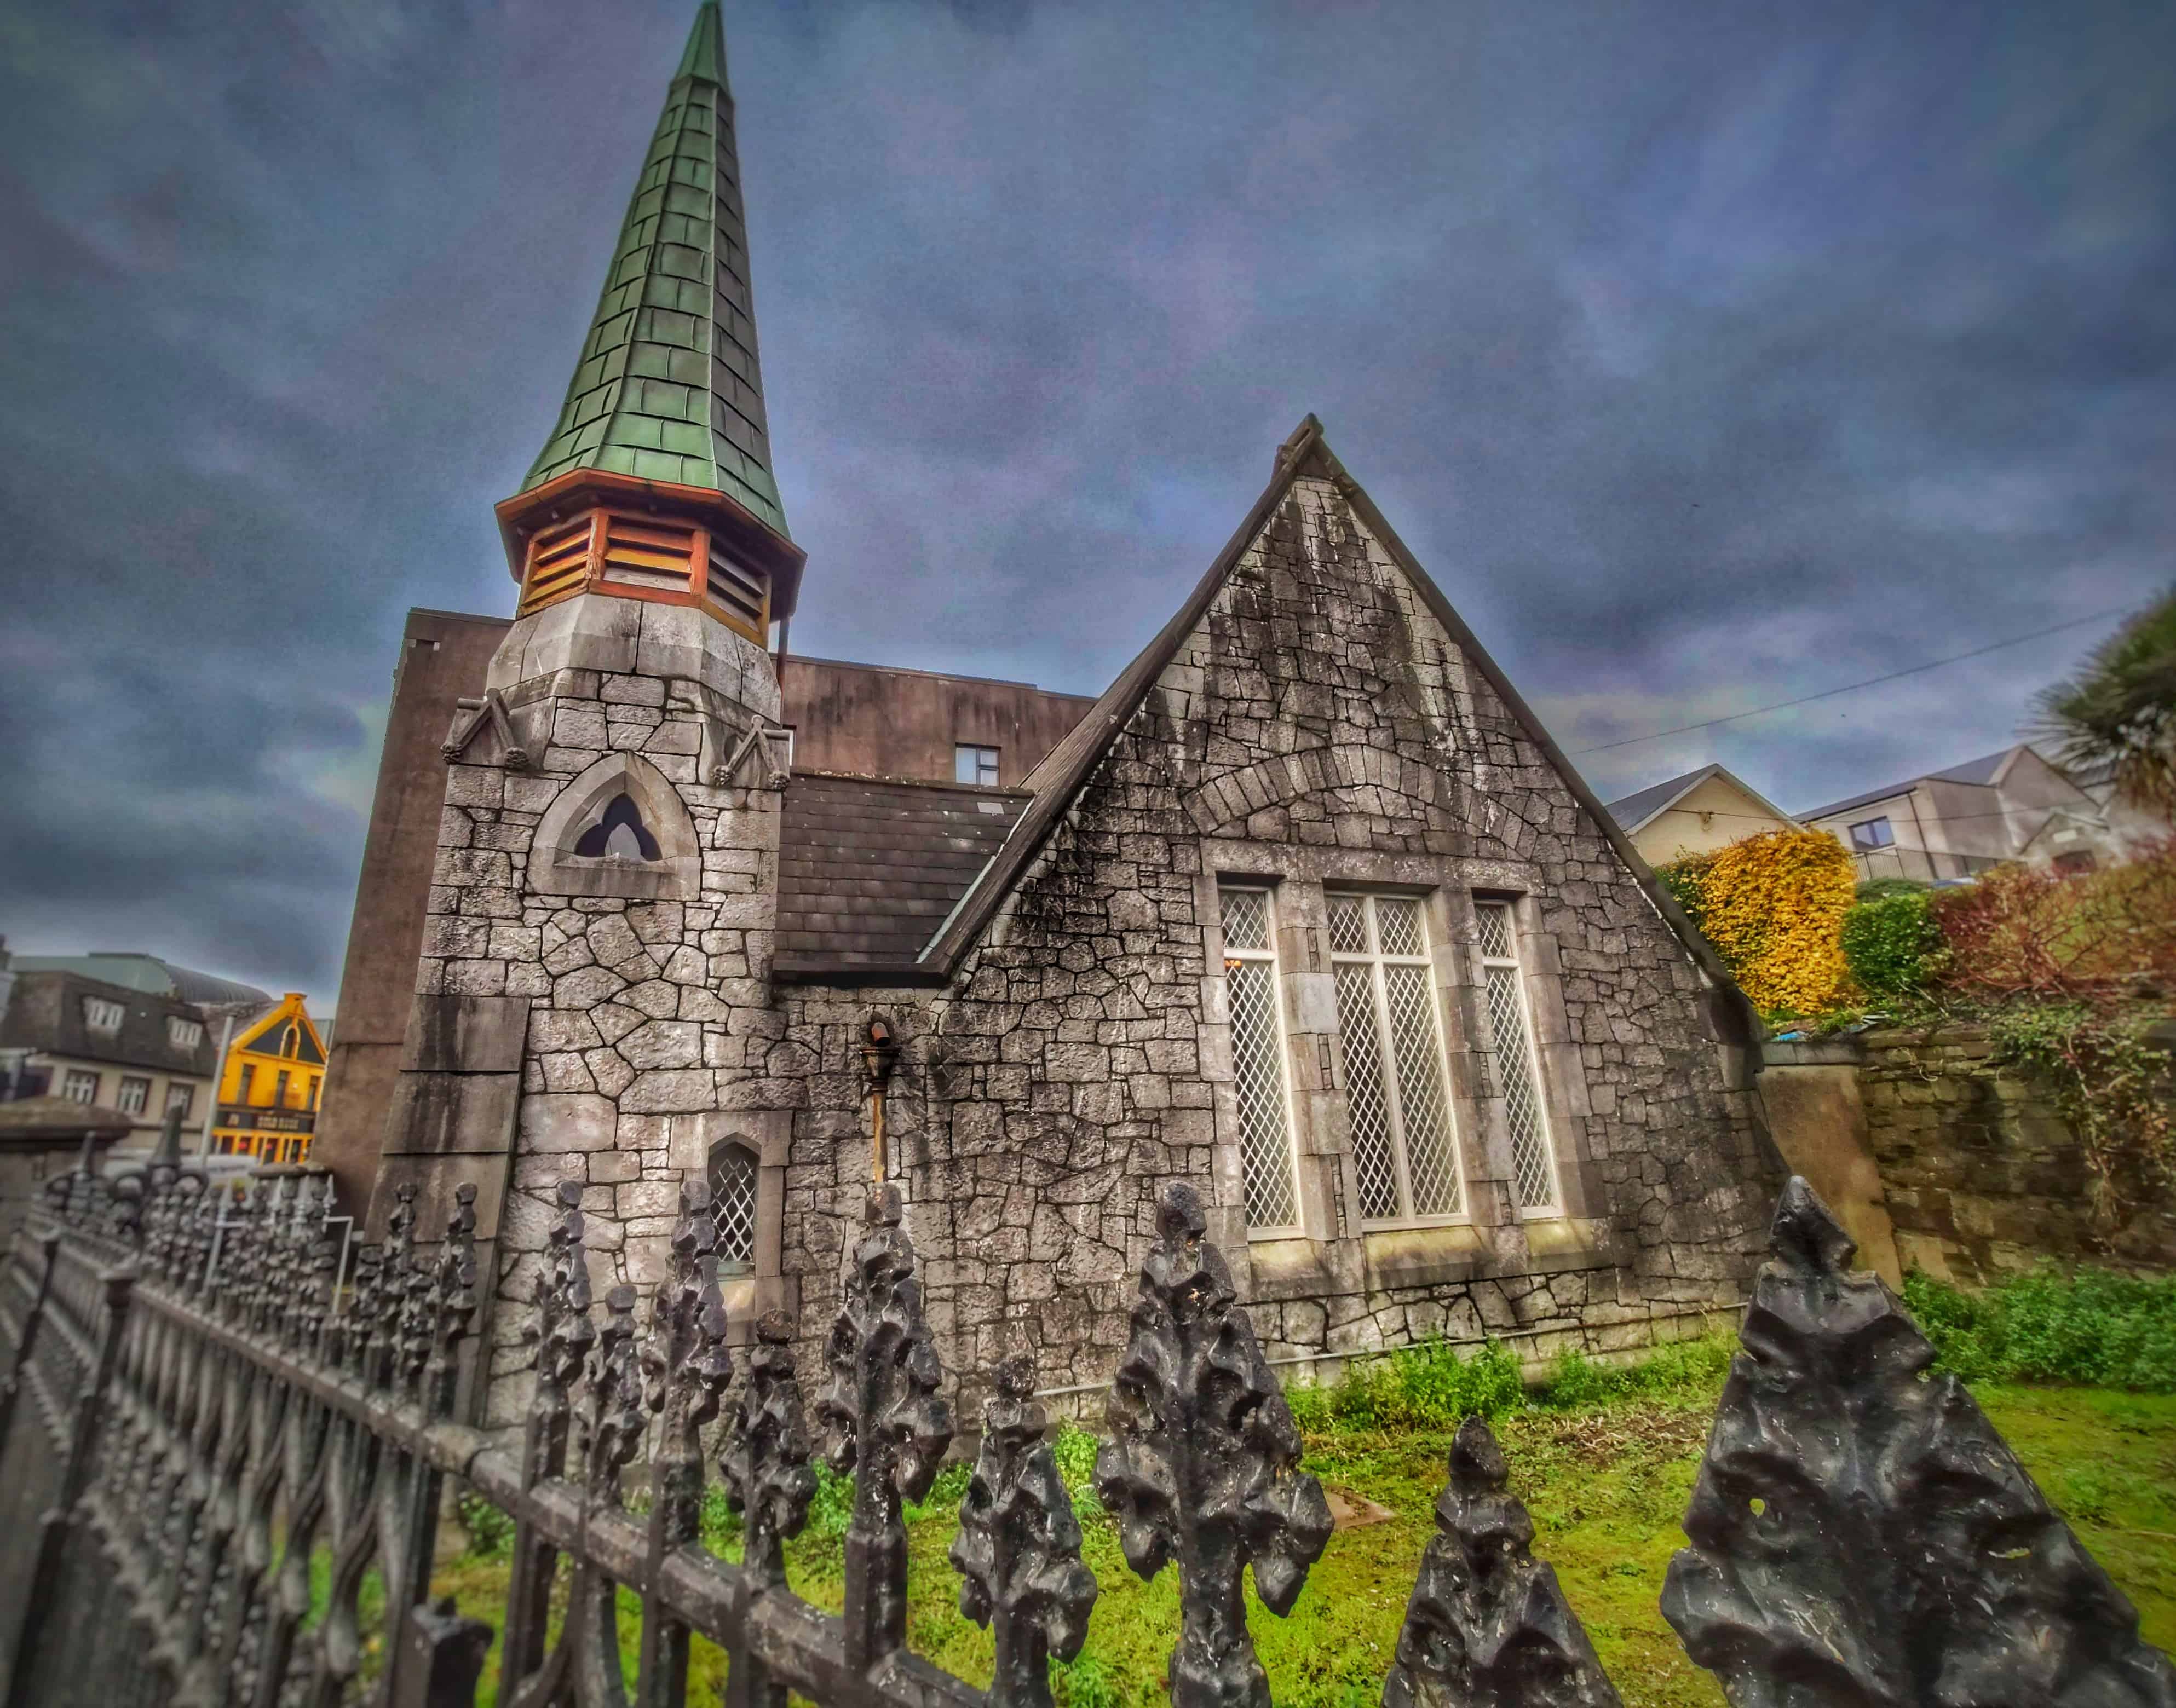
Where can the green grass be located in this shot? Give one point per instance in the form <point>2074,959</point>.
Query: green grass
<point>1605,1459</point>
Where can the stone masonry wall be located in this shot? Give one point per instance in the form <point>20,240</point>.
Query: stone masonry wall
<point>1319,725</point>
<point>1982,1174</point>
<point>650,1019</point>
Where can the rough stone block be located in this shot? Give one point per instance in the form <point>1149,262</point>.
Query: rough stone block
<point>568,1121</point>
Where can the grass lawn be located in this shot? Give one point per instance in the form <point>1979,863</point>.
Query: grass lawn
<point>1606,1486</point>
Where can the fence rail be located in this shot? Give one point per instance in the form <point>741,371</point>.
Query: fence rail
<point>178,1457</point>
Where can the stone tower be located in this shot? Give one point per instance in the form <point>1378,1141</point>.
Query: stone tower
<point>592,999</point>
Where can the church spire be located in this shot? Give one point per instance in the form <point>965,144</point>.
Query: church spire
<point>667,399</point>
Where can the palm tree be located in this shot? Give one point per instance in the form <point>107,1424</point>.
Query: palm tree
<point>2117,715</point>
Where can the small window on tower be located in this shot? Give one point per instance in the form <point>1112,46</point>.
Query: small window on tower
<point>733,1180</point>
<point>619,834</point>
<point>973,764</point>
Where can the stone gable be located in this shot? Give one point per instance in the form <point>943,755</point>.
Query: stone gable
<point>1319,723</point>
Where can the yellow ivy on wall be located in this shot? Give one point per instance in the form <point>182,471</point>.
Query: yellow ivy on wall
<point>1773,906</point>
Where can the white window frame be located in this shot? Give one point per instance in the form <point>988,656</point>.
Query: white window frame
<point>80,1084</point>
<point>184,1035</point>
<point>983,752</point>
<point>1375,959</point>
<point>1511,964</point>
<point>103,1013</point>
<point>1280,1049</point>
<point>181,1096</point>
<point>140,1086</point>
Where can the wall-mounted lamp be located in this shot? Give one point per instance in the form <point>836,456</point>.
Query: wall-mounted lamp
<point>880,1056</point>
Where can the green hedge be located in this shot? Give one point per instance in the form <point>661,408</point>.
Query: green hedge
<point>1892,945</point>
<point>2094,1329</point>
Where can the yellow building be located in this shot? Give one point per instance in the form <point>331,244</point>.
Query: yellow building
<point>269,1085</point>
<point>1696,814</point>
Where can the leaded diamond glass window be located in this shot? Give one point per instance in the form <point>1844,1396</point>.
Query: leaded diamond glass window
<point>1505,987</point>
<point>1265,1140</point>
<point>1404,1148</point>
<point>733,1206</point>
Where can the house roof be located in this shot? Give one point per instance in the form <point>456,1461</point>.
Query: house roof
<point>1634,811</point>
<point>146,972</point>
<point>1066,769</point>
<point>46,1013</point>
<point>668,386</point>
<point>1983,772</point>
<point>869,867</point>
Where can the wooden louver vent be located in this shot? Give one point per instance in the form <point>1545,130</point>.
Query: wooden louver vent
<point>647,552</point>
<point>739,594</point>
<point>644,557</point>
<point>558,564</point>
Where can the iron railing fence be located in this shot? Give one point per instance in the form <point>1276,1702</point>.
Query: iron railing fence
<point>176,1459</point>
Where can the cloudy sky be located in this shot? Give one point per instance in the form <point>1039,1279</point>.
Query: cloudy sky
<point>1708,354</point>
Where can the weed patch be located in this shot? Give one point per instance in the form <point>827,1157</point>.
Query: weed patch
<point>2094,1329</point>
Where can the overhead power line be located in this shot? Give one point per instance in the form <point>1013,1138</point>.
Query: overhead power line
<point>1853,687</point>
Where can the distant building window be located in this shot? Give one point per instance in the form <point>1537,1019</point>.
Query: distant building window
<point>248,1077</point>
<point>134,1096</point>
<point>183,1098</point>
<point>314,1084</point>
<point>79,1085</point>
<point>184,1035</point>
<point>102,1014</point>
<point>971,764</point>
<point>1872,833</point>
<point>279,1090</point>
<point>287,1040</point>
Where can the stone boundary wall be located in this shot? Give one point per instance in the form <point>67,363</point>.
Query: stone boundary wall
<point>1983,1176</point>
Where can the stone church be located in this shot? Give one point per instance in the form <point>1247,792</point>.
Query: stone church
<point>1307,910</point>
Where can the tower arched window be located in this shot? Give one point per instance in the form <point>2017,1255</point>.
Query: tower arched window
<point>732,1176</point>
<point>618,832</point>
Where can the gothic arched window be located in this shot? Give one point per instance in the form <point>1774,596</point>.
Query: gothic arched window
<point>618,830</point>
<point>732,1205</point>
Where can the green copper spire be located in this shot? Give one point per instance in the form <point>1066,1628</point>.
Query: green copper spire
<point>668,388</point>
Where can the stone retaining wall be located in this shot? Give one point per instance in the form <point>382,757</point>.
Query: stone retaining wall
<point>1983,1176</point>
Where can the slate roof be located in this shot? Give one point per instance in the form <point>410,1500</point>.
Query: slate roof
<point>146,972</point>
<point>668,388</point>
<point>1981,773</point>
<point>1635,810</point>
<point>46,1013</point>
<point>868,868</point>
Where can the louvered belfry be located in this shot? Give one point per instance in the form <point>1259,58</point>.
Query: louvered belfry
<point>655,483</point>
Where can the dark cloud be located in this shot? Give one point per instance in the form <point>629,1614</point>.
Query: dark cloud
<point>1709,354</point>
